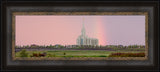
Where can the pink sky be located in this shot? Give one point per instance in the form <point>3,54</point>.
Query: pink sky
<point>64,30</point>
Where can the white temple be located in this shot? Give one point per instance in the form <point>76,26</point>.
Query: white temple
<point>83,39</point>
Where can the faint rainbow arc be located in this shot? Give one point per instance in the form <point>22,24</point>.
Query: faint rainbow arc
<point>100,31</point>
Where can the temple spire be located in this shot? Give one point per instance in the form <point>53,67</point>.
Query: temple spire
<point>83,28</point>
<point>83,22</point>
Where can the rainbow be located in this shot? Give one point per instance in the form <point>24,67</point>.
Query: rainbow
<point>100,31</point>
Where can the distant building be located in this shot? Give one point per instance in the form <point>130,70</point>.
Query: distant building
<point>71,46</point>
<point>83,39</point>
<point>57,45</point>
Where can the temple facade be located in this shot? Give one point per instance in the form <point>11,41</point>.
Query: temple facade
<point>83,39</point>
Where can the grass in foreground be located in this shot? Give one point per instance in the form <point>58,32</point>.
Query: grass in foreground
<point>71,53</point>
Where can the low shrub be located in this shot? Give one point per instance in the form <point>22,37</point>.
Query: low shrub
<point>23,53</point>
<point>127,55</point>
<point>38,55</point>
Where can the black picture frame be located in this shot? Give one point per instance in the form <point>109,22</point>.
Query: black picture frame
<point>153,67</point>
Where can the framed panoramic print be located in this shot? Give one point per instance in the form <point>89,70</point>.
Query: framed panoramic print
<point>46,36</point>
<point>74,35</point>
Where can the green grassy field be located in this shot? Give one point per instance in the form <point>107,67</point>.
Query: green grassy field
<point>77,53</point>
